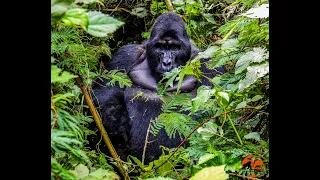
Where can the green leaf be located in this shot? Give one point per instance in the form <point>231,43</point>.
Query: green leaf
<point>231,44</point>
<point>241,105</point>
<point>224,95</point>
<point>209,18</point>
<point>204,93</point>
<point>205,158</point>
<point>253,135</point>
<point>208,53</point>
<point>256,55</point>
<point>211,173</point>
<point>61,78</point>
<point>76,16</point>
<point>90,178</point>
<point>101,25</point>
<point>103,174</point>
<point>253,74</point>
<point>139,163</point>
<point>81,171</point>
<point>139,11</point>
<point>256,98</point>
<point>208,130</point>
<point>58,8</point>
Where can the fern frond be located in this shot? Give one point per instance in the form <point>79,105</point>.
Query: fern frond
<point>118,76</point>
<point>254,33</point>
<point>176,123</point>
<point>177,102</point>
<point>156,126</point>
<point>63,35</point>
<point>65,141</point>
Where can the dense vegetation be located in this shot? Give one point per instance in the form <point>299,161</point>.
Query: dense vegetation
<point>229,137</point>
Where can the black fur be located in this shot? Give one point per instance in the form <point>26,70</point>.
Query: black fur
<point>126,118</point>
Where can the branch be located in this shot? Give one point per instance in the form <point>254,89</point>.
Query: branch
<point>55,117</point>
<point>103,132</point>
<point>201,124</point>
<point>244,177</point>
<point>146,142</point>
<point>169,5</point>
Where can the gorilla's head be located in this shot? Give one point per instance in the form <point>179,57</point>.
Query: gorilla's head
<point>169,45</point>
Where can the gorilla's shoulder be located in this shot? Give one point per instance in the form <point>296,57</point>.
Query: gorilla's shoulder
<point>124,57</point>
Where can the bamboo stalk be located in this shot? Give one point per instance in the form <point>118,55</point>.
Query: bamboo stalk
<point>169,5</point>
<point>103,132</point>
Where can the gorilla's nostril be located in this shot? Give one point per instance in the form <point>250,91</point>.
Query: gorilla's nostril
<point>166,63</point>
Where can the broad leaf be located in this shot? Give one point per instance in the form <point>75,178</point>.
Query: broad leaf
<point>208,53</point>
<point>139,11</point>
<point>57,76</point>
<point>76,16</point>
<point>231,44</point>
<point>101,25</point>
<point>258,12</point>
<point>256,55</point>
<point>204,93</point>
<point>256,98</point>
<point>205,158</point>
<point>103,174</point>
<point>81,171</point>
<point>253,74</point>
<point>209,18</point>
<point>58,8</point>
<point>253,135</point>
<point>241,105</point>
<point>211,173</point>
<point>224,95</point>
<point>208,130</point>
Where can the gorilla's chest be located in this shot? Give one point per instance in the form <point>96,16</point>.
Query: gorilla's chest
<point>142,104</point>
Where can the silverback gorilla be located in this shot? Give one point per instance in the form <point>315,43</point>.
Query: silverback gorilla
<point>126,118</point>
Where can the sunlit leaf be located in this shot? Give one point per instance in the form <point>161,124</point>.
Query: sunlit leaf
<point>256,55</point>
<point>101,25</point>
<point>211,173</point>
<point>256,98</point>
<point>103,174</point>
<point>258,12</point>
<point>205,158</point>
<point>253,74</point>
<point>75,16</point>
<point>224,95</point>
<point>253,135</point>
<point>57,76</point>
<point>81,171</point>
<point>58,8</point>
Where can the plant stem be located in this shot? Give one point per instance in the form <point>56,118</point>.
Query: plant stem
<point>55,117</point>
<point>169,5</point>
<point>234,128</point>
<point>146,142</point>
<point>103,132</point>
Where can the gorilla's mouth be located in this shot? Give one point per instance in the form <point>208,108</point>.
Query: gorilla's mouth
<point>161,70</point>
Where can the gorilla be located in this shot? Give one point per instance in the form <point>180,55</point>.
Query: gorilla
<point>125,115</point>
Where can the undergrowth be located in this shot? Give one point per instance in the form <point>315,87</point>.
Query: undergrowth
<point>226,124</point>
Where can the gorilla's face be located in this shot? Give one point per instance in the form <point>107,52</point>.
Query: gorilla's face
<point>169,46</point>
